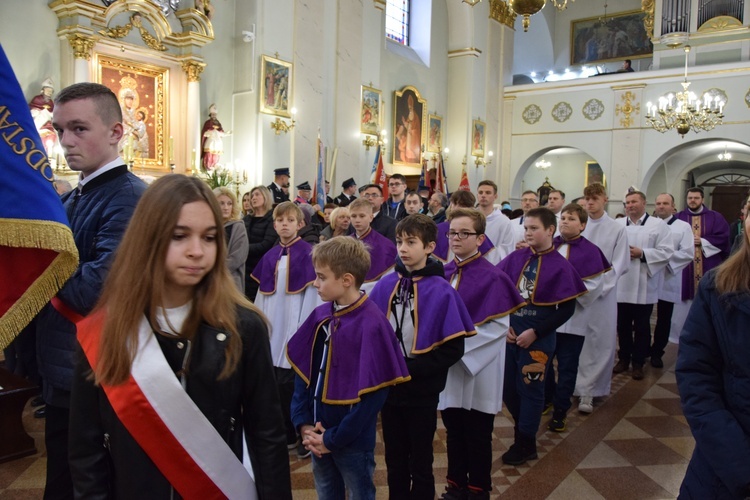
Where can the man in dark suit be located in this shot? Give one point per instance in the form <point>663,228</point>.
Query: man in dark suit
<point>381,223</point>
<point>347,195</point>
<point>280,186</point>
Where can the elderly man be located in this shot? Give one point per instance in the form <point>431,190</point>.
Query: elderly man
<point>670,289</point>
<point>650,242</point>
<point>436,207</point>
<point>280,186</point>
<point>304,191</point>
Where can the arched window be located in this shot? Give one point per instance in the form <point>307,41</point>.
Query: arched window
<point>397,21</point>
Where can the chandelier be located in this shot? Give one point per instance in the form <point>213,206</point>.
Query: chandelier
<point>725,156</point>
<point>543,164</point>
<point>683,111</point>
<point>527,8</point>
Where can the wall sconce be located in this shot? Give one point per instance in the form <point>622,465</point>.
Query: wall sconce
<point>373,140</point>
<point>485,163</point>
<point>280,125</point>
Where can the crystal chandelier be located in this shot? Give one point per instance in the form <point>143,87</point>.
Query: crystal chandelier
<point>543,164</point>
<point>683,111</point>
<point>725,156</point>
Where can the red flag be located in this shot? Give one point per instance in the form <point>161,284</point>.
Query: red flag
<point>380,178</point>
<point>441,185</point>
<point>464,184</point>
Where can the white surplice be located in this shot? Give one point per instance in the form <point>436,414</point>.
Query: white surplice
<point>578,324</point>
<point>286,312</point>
<point>598,354</point>
<point>501,233</point>
<point>670,288</point>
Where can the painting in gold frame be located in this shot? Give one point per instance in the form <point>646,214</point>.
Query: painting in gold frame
<point>620,36</point>
<point>275,87</point>
<point>369,113</point>
<point>142,92</point>
<point>478,138</point>
<point>594,173</point>
<point>435,133</point>
<point>409,130</point>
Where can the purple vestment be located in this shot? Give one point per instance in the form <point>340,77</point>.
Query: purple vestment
<point>363,354</point>
<point>585,257</point>
<point>714,228</point>
<point>382,254</point>
<point>486,290</point>
<point>556,280</point>
<point>443,245</point>
<point>439,312</point>
<point>300,271</point>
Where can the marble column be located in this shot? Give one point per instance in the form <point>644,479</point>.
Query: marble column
<point>193,69</point>
<point>82,47</point>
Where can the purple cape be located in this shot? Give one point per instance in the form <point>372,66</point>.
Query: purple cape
<point>363,354</point>
<point>556,280</point>
<point>382,254</point>
<point>587,259</point>
<point>439,312</point>
<point>487,291</point>
<point>443,246</point>
<point>300,271</point>
<point>715,229</point>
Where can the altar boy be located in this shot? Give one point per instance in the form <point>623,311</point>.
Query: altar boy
<point>549,284</point>
<point>382,250</point>
<point>285,296</point>
<point>473,393</point>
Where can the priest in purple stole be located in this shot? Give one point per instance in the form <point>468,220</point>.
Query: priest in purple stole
<point>711,234</point>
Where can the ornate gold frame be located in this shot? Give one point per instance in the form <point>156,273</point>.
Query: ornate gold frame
<point>110,68</point>
<point>264,107</point>
<point>377,109</point>
<point>589,166</point>
<point>479,152</point>
<point>398,102</point>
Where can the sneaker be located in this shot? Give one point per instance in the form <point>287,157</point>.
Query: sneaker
<point>586,404</point>
<point>547,409</point>
<point>637,372</point>
<point>621,366</point>
<point>303,452</point>
<point>293,445</point>
<point>454,492</point>
<point>521,451</point>
<point>656,362</point>
<point>557,424</point>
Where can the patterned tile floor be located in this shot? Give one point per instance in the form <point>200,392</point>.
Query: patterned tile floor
<point>636,445</point>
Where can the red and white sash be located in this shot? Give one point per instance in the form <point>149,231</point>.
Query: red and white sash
<point>166,423</point>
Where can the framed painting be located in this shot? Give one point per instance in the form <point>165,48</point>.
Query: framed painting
<point>408,126</point>
<point>369,112</point>
<point>619,36</point>
<point>594,173</point>
<point>275,87</point>
<point>435,134</point>
<point>478,132</point>
<point>142,92</point>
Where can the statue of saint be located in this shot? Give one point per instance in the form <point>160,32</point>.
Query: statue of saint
<point>212,146</point>
<point>41,107</point>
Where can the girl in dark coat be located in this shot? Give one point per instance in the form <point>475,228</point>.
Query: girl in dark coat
<point>170,397</point>
<point>713,375</point>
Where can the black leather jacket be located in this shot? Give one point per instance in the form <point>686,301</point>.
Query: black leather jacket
<point>105,460</point>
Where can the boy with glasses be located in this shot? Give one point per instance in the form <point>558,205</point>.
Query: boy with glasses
<point>394,205</point>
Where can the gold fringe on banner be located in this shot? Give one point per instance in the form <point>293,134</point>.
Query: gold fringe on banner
<point>48,235</point>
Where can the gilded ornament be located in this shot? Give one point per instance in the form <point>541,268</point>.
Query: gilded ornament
<point>81,45</point>
<point>193,69</point>
<point>136,21</point>
<point>647,6</point>
<point>500,12</point>
<point>627,109</point>
<point>561,112</point>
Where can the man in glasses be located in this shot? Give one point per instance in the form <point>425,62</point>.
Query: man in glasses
<point>381,222</point>
<point>394,206</point>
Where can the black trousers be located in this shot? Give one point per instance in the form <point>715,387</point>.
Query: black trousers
<point>59,484</point>
<point>634,331</point>
<point>285,385</point>
<point>408,433</point>
<point>664,311</point>
<point>469,443</point>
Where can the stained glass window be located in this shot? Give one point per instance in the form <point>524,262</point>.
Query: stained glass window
<point>397,21</point>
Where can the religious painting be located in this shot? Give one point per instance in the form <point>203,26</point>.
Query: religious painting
<point>275,87</point>
<point>594,173</point>
<point>408,127</point>
<point>478,132</point>
<point>369,113</point>
<point>435,134</point>
<point>142,92</point>
<point>543,192</point>
<point>612,38</point>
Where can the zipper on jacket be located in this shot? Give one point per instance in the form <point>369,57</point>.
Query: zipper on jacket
<point>183,380</point>
<point>106,441</point>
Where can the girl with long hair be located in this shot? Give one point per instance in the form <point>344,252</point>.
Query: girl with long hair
<point>713,376</point>
<point>178,403</point>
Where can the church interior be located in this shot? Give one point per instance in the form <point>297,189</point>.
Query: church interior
<point>533,101</point>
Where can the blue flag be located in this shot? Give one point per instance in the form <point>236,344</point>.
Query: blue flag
<point>37,250</point>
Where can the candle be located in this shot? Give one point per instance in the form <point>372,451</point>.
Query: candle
<point>171,149</point>
<point>192,160</point>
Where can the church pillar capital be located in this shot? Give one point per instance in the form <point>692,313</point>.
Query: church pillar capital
<point>193,70</point>
<point>82,45</point>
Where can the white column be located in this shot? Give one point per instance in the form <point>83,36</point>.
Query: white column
<point>193,125</point>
